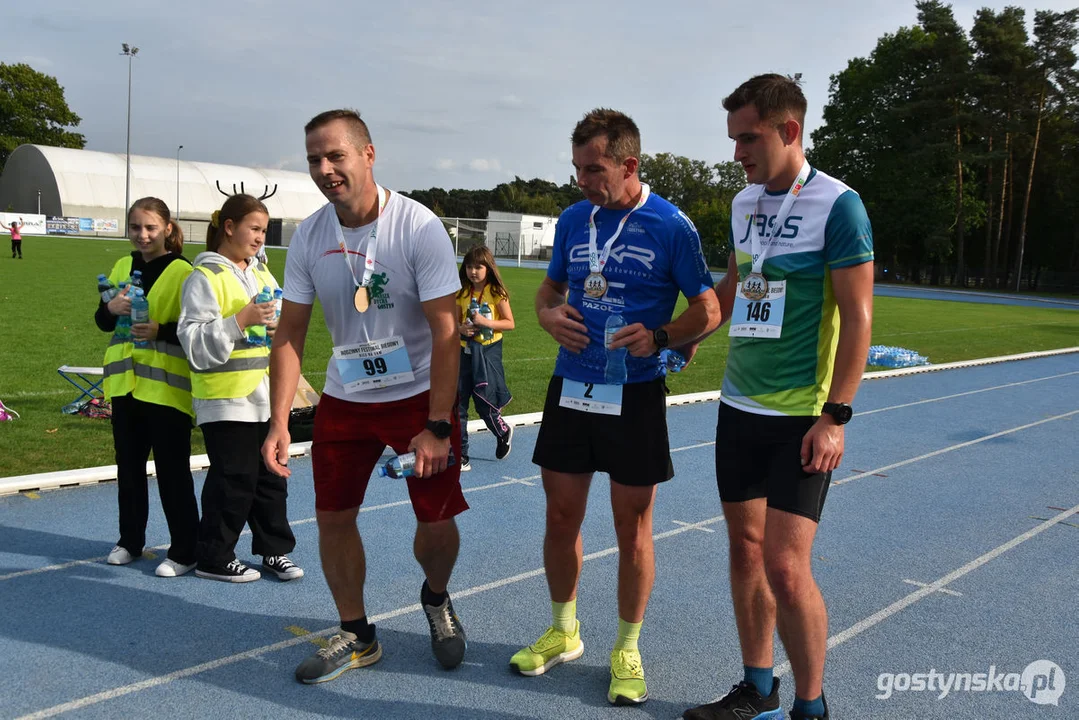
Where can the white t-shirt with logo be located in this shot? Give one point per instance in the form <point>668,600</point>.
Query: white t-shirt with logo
<point>414,263</point>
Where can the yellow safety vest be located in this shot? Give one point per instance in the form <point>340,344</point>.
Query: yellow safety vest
<point>159,373</point>
<point>247,364</point>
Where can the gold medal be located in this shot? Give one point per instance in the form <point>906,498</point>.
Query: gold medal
<point>595,285</point>
<point>755,287</point>
<point>361,299</point>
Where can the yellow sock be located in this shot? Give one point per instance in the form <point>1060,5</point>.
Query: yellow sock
<point>564,615</point>
<point>628,633</point>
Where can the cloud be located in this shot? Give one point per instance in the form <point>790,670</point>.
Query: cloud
<point>36,61</point>
<point>424,127</point>
<point>565,157</point>
<point>510,102</point>
<point>295,162</point>
<point>445,164</point>
<point>484,165</point>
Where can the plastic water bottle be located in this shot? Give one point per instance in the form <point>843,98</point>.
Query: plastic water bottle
<point>616,359</point>
<point>140,313</point>
<point>106,288</point>
<point>403,466</point>
<point>278,295</point>
<point>256,334</point>
<point>671,361</point>
<point>123,322</point>
<point>136,278</point>
<point>487,333</point>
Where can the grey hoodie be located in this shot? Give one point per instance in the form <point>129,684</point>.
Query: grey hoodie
<point>208,339</point>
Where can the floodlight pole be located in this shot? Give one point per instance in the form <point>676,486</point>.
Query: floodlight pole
<point>131,51</point>
<point>178,149</point>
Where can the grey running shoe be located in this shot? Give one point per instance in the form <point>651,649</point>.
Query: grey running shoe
<point>448,640</point>
<point>344,652</point>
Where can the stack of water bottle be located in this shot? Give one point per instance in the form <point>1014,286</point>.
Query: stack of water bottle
<point>894,357</point>
<point>670,361</point>
<point>256,334</point>
<point>140,305</point>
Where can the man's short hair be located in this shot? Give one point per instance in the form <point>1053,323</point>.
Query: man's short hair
<point>776,97</point>
<point>360,135</point>
<point>623,137</point>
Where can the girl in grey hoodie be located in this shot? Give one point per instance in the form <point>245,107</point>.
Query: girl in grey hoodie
<point>225,331</point>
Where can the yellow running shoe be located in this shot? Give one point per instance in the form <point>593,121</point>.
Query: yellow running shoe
<point>627,678</point>
<point>554,646</point>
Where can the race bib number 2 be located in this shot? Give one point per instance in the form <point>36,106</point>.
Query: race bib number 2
<point>591,397</point>
<point>374,364</point>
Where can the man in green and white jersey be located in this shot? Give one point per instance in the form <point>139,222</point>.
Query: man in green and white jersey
<point>799,297</point>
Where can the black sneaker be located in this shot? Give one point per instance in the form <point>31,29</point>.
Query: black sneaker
<point>465,464</point>
<point>282,567</point>
<point>502,450</point>
<point>743,702</point>
<point>235,572</point>
<point>343,652</point>
<point>800,716</point>
<point>448,641</point>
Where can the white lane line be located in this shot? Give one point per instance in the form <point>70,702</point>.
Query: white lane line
<point>690,525</point>
<point>881,615</point>
<point>969,392</point>
<point>946,591</point>
<point>294,523</point>
<point>256,653</point>
<point>951,448</point>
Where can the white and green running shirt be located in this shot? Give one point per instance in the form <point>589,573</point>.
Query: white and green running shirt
<point>827,228</point>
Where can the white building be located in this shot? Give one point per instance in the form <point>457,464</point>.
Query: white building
<point>68,183</point>
<point>519,235</point>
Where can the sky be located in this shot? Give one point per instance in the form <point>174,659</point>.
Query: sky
<point>457,93</point>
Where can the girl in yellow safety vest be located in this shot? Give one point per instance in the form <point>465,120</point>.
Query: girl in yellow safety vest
<point>149,386</point>
<point>226,335</point>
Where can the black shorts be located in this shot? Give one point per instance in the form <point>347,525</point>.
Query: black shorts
<point>632,448</point>
<point>759,456</point>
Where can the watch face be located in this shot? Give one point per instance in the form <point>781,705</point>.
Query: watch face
<point>841,412</point>
<point>440,428</point>
<point>661,338</point>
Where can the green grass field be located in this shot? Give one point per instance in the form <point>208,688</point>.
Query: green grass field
<point>47,302</point>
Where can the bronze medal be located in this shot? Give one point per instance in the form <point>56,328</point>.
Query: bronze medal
<point>361,299</point>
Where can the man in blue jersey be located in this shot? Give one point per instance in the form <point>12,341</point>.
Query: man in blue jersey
<point>623,252</point>
<point>799,296</point>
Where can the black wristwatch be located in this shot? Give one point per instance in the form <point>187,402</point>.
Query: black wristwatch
<point>441,429</point>
<point>842,412</point>
<point>660,338</point>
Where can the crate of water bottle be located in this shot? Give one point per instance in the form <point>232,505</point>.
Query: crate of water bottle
<point>894,357</point>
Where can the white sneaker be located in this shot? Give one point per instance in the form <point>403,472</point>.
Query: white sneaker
<point>119,556</point>
<point>171,568</point>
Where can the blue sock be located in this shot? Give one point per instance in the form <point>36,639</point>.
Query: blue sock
<point>812,708</point>
<point>761,679</point>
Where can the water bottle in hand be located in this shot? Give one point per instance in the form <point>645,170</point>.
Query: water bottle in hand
<point>404,466</point>
<point>486,333</point>
<point>123,322</point>
<point>105,287</point>
<point>671,361</point>
<point>140,313</point>
<point>616,359</point>
<point>256,334</point>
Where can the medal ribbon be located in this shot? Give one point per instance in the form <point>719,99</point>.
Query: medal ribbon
<point>756,239</point>
<point>372,246</point>
<point>596,261</point>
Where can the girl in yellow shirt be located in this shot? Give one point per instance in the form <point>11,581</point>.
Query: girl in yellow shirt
<point>482,377</point>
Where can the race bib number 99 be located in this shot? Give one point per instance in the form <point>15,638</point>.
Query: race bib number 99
<point>374,364</point>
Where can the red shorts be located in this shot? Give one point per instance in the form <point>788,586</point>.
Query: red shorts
<point>349,438</point>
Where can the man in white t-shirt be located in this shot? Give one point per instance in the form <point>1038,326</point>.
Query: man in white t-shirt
<point>384,270</point>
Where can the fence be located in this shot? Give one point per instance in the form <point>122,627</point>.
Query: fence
<point>507,240</point>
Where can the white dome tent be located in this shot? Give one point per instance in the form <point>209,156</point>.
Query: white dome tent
<point>90,184</point>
